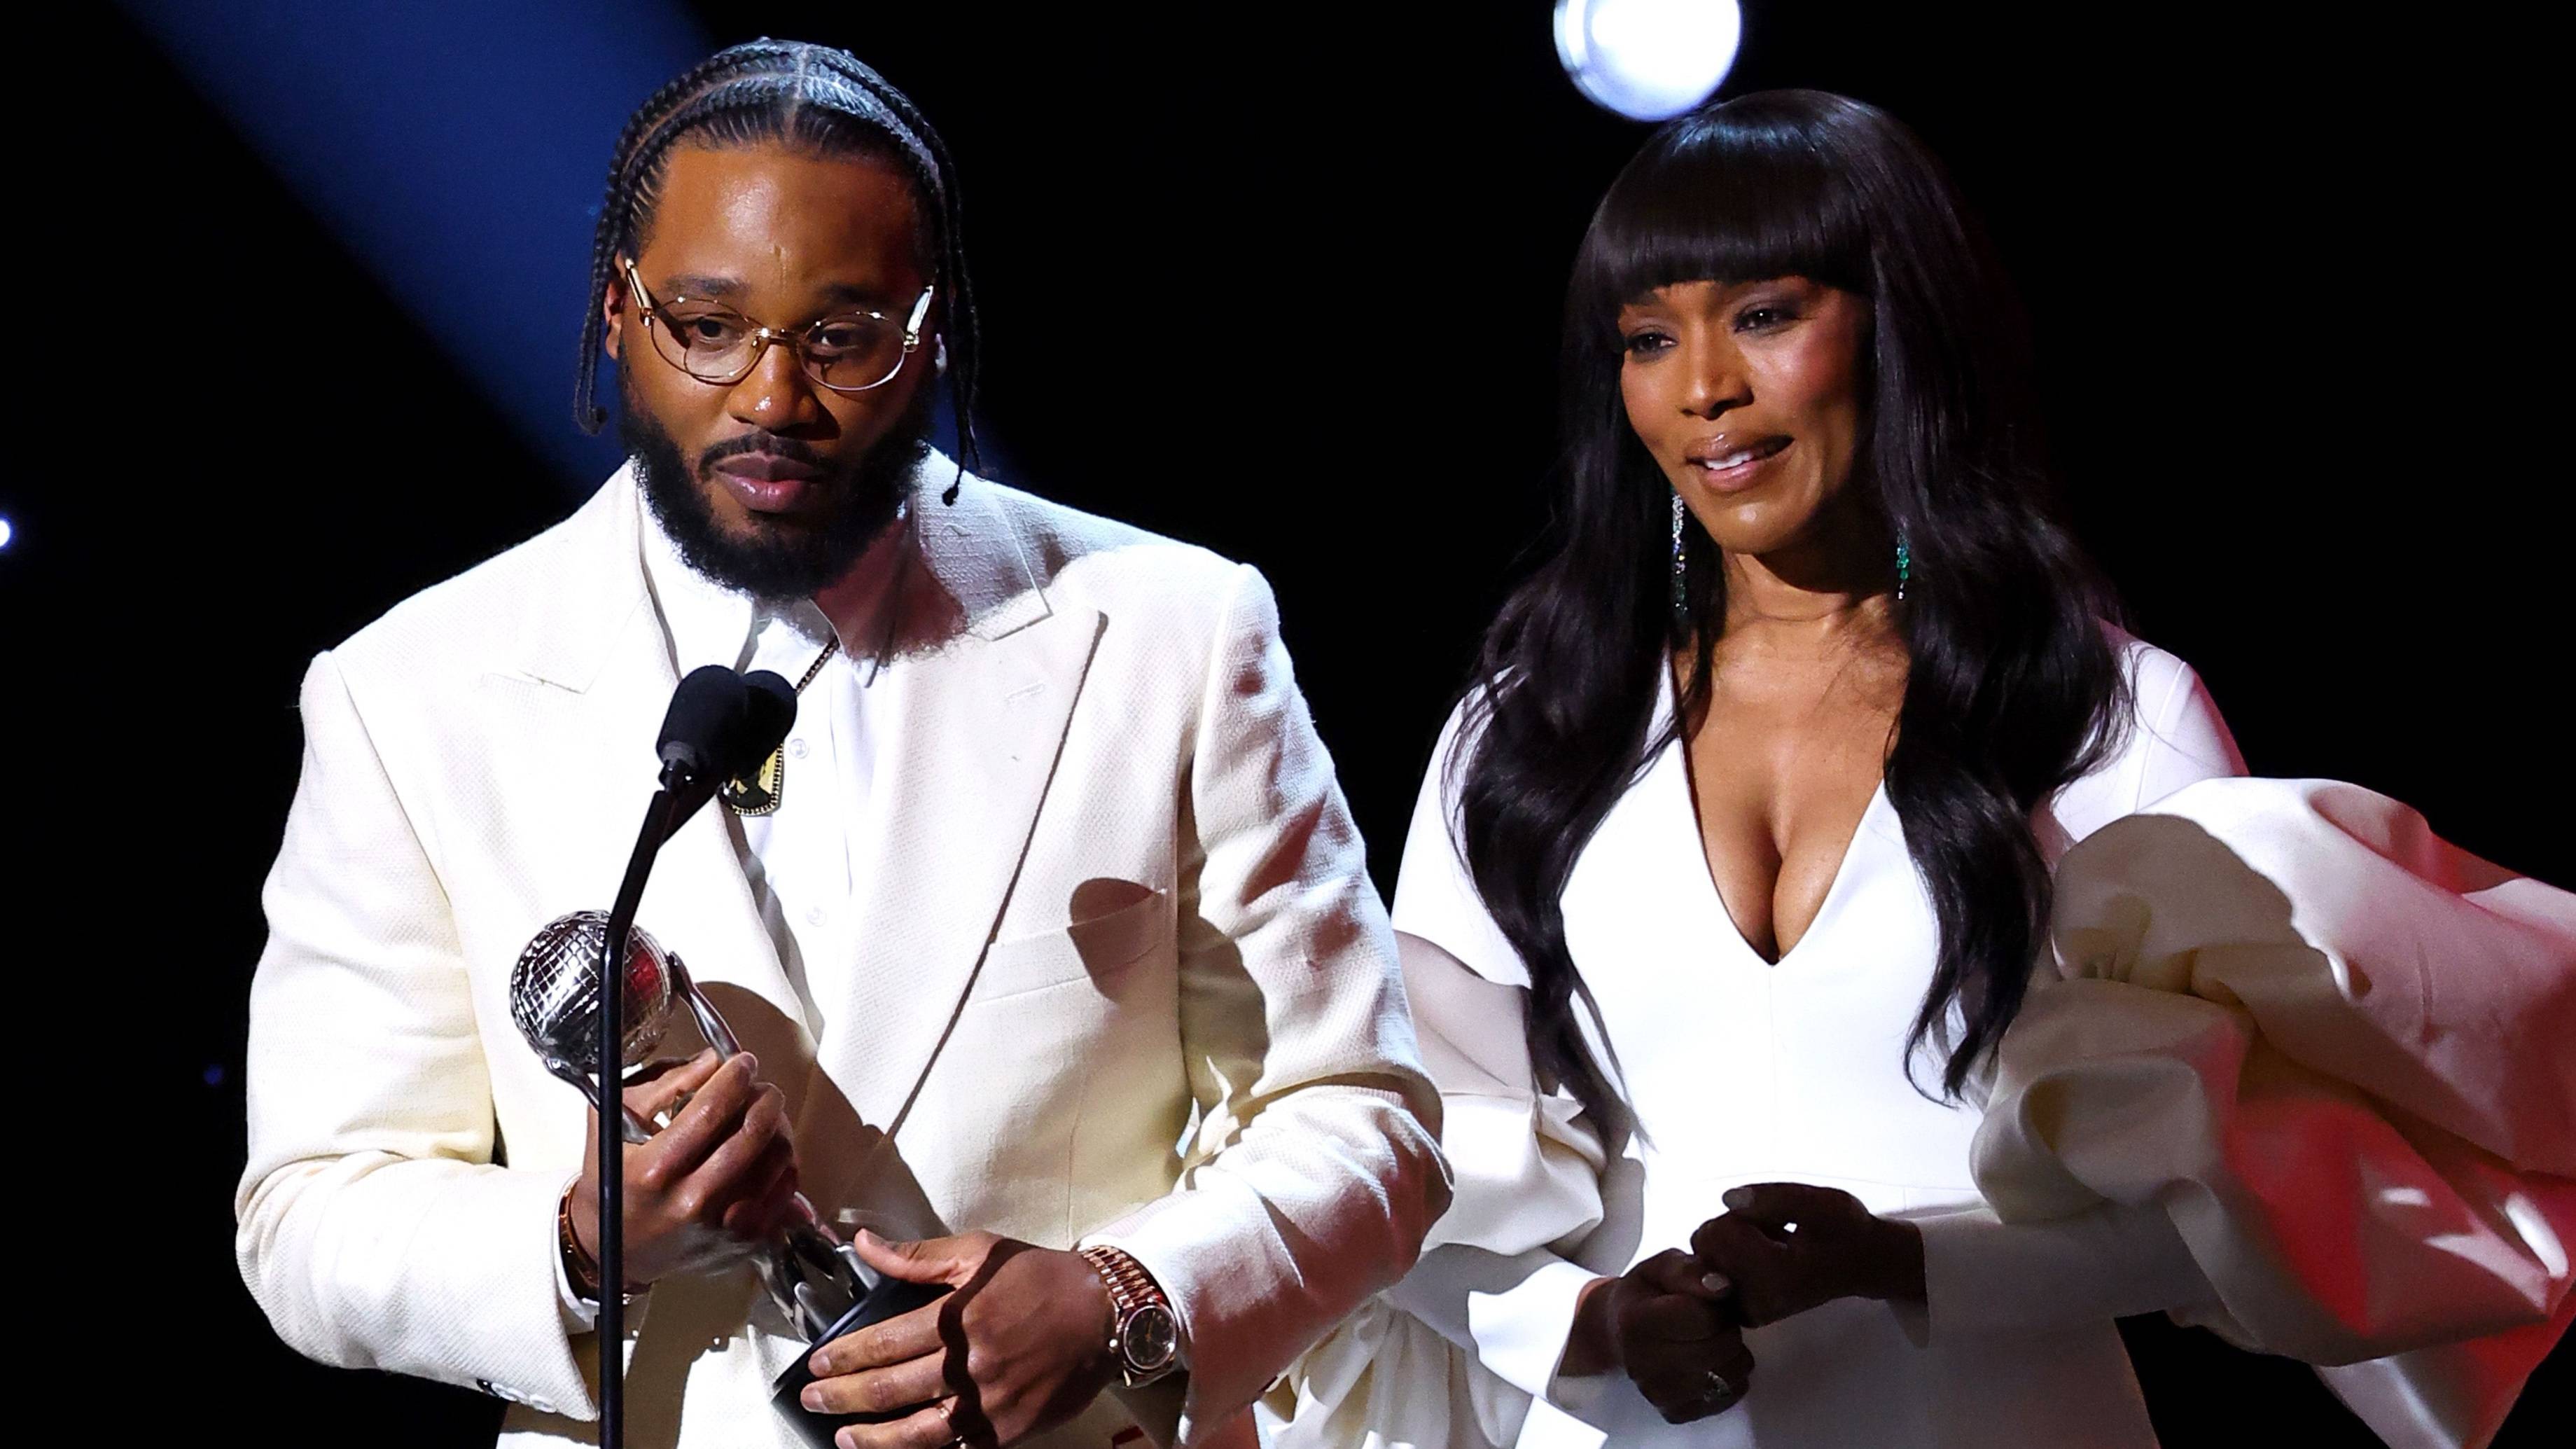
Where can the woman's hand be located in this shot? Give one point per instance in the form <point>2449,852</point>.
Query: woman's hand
<point>1665,1324</point>
<point>1787,1247</point>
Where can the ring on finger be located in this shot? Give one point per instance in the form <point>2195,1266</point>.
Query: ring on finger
<point>671,1110</point>
<point>1719,1389</point>
<point>947,1408</point>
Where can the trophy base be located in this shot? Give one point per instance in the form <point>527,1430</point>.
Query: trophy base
<point>891,1297</point>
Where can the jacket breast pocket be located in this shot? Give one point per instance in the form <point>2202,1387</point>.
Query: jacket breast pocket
<point>1099,949</point>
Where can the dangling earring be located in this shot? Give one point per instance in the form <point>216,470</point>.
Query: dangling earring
<point>1904,566</point>
<point>1681,593</point>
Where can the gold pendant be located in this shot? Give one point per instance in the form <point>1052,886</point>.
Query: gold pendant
<point>759,794</point>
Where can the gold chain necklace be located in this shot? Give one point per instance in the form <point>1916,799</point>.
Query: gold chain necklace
<point>760,792</point>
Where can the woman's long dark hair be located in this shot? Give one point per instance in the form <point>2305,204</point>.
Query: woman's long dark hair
<point>2014,689</point>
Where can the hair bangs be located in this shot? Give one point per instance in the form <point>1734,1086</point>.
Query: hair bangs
<point>1724,199</point>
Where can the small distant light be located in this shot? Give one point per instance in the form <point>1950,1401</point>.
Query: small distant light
<point>215,1075</point>
<point>1648,60</point>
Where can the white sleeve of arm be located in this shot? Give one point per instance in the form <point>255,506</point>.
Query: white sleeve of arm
<point>1527,1169</point>
<point>373,1226</point>
<point>2187,741</point>
<point>2175,738</point>
<point>1527,1164</point>
<point>1315,1172</point>
<point>1985,1276</point>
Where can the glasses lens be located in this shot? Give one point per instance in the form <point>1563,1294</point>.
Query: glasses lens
<point>853,352</point>
<point>709,344</point>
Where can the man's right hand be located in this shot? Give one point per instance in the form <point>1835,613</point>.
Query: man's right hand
<point>709,1188</point>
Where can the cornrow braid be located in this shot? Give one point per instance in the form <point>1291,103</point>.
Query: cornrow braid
<point>803,95</point>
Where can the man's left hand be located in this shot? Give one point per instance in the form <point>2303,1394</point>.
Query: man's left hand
<point>1020,1346</point>
<point>1787,1247</point>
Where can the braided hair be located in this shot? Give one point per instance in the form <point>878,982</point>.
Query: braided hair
<point>812,97</point>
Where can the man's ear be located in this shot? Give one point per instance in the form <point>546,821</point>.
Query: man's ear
<point>612,311</point>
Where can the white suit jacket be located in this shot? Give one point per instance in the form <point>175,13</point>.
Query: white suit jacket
<point>1124,974</point>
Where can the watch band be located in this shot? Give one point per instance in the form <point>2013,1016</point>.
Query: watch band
<point>1143,1331</point>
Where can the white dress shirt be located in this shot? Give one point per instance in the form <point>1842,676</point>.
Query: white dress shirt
<point>798,856</point>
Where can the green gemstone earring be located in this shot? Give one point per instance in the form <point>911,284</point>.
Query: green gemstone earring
<point>1904,566</point>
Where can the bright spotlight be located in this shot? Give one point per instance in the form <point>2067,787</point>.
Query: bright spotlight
<point>1647,59</point>
<point>6,533</point>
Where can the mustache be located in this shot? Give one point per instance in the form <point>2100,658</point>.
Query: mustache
<point>795,450</point>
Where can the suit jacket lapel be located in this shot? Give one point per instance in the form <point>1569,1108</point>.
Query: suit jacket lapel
<point>601,638</point>
<point>974,729</point>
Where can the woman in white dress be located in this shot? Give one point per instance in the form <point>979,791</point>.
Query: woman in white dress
<point>1731,869</point>
<point>1764,817</point>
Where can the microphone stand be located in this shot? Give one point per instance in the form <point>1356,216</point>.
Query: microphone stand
<point>662,816</point>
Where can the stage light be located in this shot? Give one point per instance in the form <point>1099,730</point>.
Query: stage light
<point>6,533</point>
<point>456,150</point>
<point>1647,59</point>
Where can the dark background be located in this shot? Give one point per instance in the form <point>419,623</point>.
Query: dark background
<point>1288,287</point>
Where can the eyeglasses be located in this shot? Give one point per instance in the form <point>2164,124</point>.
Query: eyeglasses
<point>849,352</point>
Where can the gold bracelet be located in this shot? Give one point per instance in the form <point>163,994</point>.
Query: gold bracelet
<point>579,1265</point>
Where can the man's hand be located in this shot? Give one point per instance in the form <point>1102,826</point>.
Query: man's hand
<point>1666,1324</point>
<point>707,1189</point>
<point>1788,1247</point>
<point>1021,1346</point>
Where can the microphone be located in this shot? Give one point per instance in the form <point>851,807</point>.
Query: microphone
<point>720,726</point>
<point>708,714</point>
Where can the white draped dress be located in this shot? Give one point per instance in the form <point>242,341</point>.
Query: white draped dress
<point>1741,1070</point>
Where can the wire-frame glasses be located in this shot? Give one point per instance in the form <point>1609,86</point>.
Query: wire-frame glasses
<point>847,352</point>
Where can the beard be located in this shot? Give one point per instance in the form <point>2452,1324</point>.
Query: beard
<point>777,559</point>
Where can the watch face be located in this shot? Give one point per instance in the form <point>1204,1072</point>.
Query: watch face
<point>1150,1339</point>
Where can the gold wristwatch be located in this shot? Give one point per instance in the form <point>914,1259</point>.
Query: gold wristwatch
<point>1144,1336</point>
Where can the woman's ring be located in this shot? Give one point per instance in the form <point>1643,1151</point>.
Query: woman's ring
<point>1721,1390</point>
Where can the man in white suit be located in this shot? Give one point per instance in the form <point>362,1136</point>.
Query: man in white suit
<point>1046,928</point>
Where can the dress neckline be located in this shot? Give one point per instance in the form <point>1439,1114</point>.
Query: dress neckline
<point>1679,792</point>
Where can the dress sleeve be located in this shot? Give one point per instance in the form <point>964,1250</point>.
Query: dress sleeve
<point>1983,1275</point>
<point>2174,737</point>
<point>1527,1164</point>
<point>2329,1048</point>
<point>1435,898</point>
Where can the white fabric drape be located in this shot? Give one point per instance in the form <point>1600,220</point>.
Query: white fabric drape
<point>2340,1055</point>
